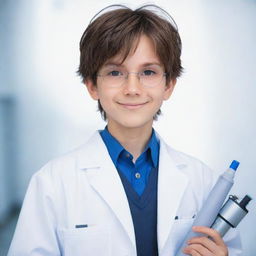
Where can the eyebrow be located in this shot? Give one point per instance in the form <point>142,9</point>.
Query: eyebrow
<point>146,64</point>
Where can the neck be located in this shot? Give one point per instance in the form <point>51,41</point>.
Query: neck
<point>134,140</point>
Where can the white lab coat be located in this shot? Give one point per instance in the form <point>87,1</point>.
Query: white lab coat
<point>84,188</point>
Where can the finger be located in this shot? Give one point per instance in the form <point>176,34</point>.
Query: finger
<point>191,252</point>
<point>197,249</point>
<point>195,253</point>
<point>205,241</point>
<point>210,232</point>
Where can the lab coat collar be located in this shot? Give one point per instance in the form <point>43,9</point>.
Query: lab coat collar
<point>106,181</point>
<point>88,154</point>
<point>171,187</point>
<point>94,159</point>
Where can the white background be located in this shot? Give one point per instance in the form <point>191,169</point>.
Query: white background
<point>211,114</point>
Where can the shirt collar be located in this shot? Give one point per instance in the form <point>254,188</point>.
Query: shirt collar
<point>115,148</point>
<point>112,144</point>
<point>153,146</point>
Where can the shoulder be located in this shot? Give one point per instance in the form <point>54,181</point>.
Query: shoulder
<point>185,162</point>
<point>200,176</point>
<point>67,165</point>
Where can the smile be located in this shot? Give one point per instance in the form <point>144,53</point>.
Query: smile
<point>132,105</point>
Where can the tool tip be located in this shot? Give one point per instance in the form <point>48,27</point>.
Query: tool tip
<point>234,165</point>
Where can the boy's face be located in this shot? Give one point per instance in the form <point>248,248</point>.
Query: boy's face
<point>131,104</point>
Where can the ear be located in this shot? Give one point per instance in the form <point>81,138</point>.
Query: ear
<point>169,89</point>
<point>92,89</point>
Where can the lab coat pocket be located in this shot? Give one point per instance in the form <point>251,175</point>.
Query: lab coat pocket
<point>91,240</point>
<point>179,230</point>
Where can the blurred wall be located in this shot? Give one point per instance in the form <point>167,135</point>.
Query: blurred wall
<point>211,114</point>
<point>8,118</point>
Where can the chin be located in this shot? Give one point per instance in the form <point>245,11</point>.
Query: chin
<point>136,123</point>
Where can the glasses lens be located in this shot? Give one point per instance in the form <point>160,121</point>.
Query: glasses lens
<point>112,77</point>
<point>152,77</point>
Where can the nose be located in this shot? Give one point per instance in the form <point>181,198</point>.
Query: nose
<point>132,84</point>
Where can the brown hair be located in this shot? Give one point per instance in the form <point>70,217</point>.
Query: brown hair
<point>117,30</point>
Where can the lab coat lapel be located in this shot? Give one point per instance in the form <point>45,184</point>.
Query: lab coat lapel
<point>171,186</point>
<point>105,179</point>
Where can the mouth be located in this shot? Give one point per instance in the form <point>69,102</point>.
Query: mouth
<point>132,105</point>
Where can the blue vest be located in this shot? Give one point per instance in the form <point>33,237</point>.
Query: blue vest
<point>144,214</point>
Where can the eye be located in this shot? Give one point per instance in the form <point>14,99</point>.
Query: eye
<point>114,73</point>
<point>148,72</point>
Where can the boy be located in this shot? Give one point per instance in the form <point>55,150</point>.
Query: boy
<point>124,192</point>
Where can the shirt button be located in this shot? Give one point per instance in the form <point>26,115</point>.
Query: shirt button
<point>137,175</point>
<point>127,155</point>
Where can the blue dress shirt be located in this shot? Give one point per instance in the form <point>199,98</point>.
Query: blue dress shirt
<point>136,173</point>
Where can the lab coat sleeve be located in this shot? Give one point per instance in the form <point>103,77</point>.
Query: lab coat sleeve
<point>35,233</point>
<point>233,241</point>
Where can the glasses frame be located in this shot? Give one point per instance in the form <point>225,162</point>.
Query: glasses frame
<point>138,74</point>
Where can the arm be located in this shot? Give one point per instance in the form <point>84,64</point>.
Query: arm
<point>35,232</point>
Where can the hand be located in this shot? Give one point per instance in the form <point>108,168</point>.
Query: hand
<point>205,246</point>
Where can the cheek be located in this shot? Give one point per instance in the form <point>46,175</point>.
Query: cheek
<point>161,96</point>
<point>105,99</point>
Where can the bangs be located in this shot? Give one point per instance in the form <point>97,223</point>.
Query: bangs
<point>124,49</point>
<point>123,38</point>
